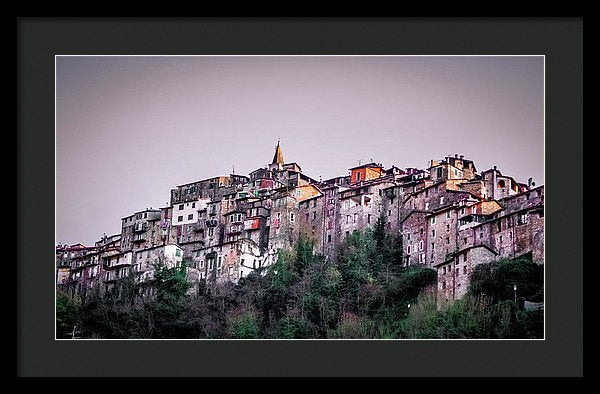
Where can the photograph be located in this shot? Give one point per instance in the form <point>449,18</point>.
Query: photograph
<point>299,197</point>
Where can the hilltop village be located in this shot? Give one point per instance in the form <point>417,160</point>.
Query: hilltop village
<point>450,217</point>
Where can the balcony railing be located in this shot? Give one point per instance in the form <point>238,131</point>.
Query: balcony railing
<point>235,229</point>
<point>140,227</point>
<point>139,238</point>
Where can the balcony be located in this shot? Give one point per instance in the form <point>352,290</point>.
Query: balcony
<point>138,238</point>
<point>140,227</point>
<point>235,229</point>
<point>212,223</point>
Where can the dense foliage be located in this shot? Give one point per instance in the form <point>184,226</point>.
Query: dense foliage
<point>364,293</point>
<point>67,315</point>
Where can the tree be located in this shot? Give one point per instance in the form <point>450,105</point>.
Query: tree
<point>243,324</point>
<point>497,280</point>
<point>67,314</point>
<point>171,287</point>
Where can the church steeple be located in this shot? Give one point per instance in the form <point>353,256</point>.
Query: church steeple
<point>278,157</point>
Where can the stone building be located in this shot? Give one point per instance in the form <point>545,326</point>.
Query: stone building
<point>450,218</point>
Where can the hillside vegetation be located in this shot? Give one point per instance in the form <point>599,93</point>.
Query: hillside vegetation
<point>364,293</point>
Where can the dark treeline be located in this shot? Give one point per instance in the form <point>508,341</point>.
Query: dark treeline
<point>364,293</point>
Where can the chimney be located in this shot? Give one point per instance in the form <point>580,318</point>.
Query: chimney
<point>529,181</point>
<point>461,156</point>
<point>495,168</point>
<point>456,155</point>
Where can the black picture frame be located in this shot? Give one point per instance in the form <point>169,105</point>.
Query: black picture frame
<point>559,39</point>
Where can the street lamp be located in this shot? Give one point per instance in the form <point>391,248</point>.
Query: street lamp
<point>515,289</point>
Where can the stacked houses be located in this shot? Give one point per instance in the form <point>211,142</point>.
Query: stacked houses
<point>450,217</point>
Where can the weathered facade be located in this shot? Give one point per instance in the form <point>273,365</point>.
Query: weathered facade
<point>450,219</point>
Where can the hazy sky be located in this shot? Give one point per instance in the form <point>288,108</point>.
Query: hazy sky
<point>128,129</point>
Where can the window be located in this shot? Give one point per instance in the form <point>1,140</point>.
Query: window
<point>180,218</point>
<point>347,219</point>
<point>369,218</point>
<point>314,215</point>
<point>448,241</point>
<point>465,256</point>
<point>448,215</point>
<point>432,246</point>
<point>357,176</point>
<point>329,238</point>
<point>432,233</point>
<point>408,249</point>
<point>426,206</point>
<point>389,212</point>
<point>421,246</point>
<point>355,217</point>
<point>180,207</point>
<point>523,218</point>
<point>464,270</point>
<point>441,200</point>
<point>210,232</point>
<point>190,216</point>
<point>193,205</point>
<point>433,220</point>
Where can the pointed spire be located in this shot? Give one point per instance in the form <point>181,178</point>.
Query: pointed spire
<point>278,157</point>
